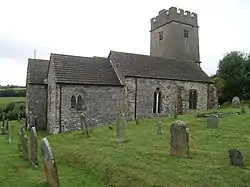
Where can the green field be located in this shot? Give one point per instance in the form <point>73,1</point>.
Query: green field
<point>6,100</point>
<point>143,161</point>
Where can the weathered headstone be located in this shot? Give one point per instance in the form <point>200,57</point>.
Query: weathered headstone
<point>159,128</point>
<point>33,147</point>
<point>120,127</point>
<point>213,122</point>
<point>243,111</point>
<point>137,121</point>
<point>24,144</point>
<point>84,125</point>
<point>235,157</point>
<point>179,142</point>
<point>236,101</point>
<point>121,119</point>
<point>49,162</point>
<point>9,133</point>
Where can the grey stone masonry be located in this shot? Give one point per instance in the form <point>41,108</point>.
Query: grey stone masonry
<point>145,92</point>
<point>52,100</point>
<point>36,97</point>
<point>100,104</point>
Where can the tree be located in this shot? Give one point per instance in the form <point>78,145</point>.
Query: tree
<point>233,77</point>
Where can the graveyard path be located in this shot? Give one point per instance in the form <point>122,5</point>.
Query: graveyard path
<point>16,172</point>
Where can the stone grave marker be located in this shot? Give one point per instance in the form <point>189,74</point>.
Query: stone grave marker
<point>179,139</point>
<point>120,127</point>
<point>24,144</point>
<point>19,143</point>
<point>213,122</point>
<point>137,121</point>
<point>49,162</point>
<point>243,111</point>
<point>33,147</point>
<point>235,157</point>
<point>236,101</point>
<point>84,125</point>
<point>159,128</point>
<point>9,133</point>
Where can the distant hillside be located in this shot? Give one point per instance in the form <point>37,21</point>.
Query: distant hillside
<point>12,91</point>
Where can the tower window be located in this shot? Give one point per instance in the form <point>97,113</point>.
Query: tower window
<point>186,33</point>
<point>161,35</point>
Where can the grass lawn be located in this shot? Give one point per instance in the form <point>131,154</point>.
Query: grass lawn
<point>143,161</point>
<point>6,100</point>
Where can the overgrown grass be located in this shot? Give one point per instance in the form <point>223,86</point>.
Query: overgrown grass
<point>143,160</point>
<point>4,101</point>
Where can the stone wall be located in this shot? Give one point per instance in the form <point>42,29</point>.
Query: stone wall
<point>169,89</point>
<point>36,105</point>
<point>100,104</point>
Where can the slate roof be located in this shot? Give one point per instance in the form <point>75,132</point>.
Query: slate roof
<point>37,71</point>
<point>137,65</point>
<point>83,70</point>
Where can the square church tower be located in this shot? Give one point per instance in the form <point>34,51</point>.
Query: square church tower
<point>174,34</point>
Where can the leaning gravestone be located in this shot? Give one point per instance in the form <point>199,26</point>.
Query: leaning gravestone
<point>24,144</point>
<point>235,157</point>
<point>33,147</point>
<point>179,142</point>
<point>9,133</point>
<point>212,122</point>
<point>49,162</point>
<point>159,128</point>
<point>84,125</point>
<point>236,102</point>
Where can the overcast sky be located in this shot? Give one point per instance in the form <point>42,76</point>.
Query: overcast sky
<point>94,27</point>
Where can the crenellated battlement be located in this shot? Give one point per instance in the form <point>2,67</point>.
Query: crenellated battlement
<point>174,14</point>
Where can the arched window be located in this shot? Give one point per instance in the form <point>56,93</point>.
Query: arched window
<point>157,101</point>
<point>79,102</point>
<point>193,96</point>
<point>73,101</point>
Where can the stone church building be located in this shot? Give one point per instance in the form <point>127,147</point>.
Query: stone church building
<point>168,80</point>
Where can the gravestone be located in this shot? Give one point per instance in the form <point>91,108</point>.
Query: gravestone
<point>24,144</point>
<point>19,143</point>
<point>236,102</point>
<point>159,128</point>
<point>120,127</point>
<point>235,157</point>
<point>243,111</point>
<point>213,122</point>
<point>33,147</point>
<point>9,133</point>
<point>49,163</point>
<point>137,121</point>
<point>179,139</point>
<point>121,119</point>
<point>84,125</point>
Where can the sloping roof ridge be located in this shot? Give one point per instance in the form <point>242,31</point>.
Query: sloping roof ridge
<point>129,53</point>
<point>160,58</point>
<point>77,56</point>
<point>38,59</point>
